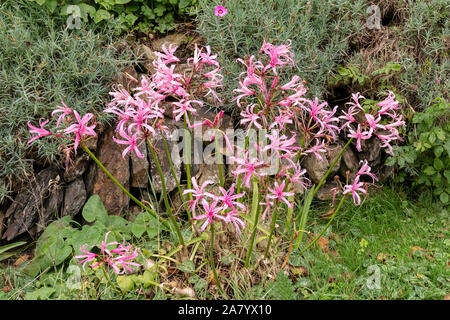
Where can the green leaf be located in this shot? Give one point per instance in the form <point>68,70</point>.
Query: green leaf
<point>187,266</point>
<point>94,209</point>
<point>11,246</point>
<point>121,1</point>
<point>101,15</point>
<point>438,164</point>
<point>138,229</point>
<point>444,197</point>
<point>429,171</point>
<point>43,293</point>
<point>125,283</point>
<point>282,288</point>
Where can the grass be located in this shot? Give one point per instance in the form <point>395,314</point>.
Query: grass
<point>405,243</point>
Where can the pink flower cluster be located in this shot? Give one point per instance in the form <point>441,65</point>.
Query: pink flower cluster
<point>141,114</point>
<point>77,128</point>
<point>213,207</point>
<point>382,121</point>
<point>119,258</point>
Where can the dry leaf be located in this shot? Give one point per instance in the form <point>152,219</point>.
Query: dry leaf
<point>447,297</point>
<point>6,289</point>
<point>299,271</point>
<point>381,257</point>
<point>184,292</point>
<point>323,244</point>
<point>23,258</point>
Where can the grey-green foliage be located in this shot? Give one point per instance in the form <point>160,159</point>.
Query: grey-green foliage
<point>40,65</point>
<point>424,52</point>
<point>320,38</point>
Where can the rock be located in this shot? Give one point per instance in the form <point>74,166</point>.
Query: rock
<point>176,38</point>
<point>27,206</point>
<point>77,168</point>
<point>110,155</point>
<point>325,193</point>
<point>174,148</point>
<point>349,163</point>
<point>139,168</point>
<point>318,168</point>
<point>148,55</point>
<point>74,198</point>
<point>208,172</point>
<point>51,209</point>
<point>128,78</point>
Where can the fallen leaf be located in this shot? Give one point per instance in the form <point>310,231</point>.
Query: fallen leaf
<point>447,297</point>
<point>184,292</point>
<point>323,244</point>
<point>299,271</point>
<point>331,279</point>
<point>6,289</point>
<point>415,248</point>
<point>23,258</point>
<point>381,257</point>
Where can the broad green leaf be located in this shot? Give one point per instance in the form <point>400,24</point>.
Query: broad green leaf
<point>94,209</point>
<point>101,15</point>
<point>125,283</point>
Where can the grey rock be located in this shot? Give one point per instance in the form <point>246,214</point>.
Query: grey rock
<point>28,204</point>
<point>176,157</point>
<point>177,39</point>
<point>51,208</point>
<point>77,168</point>
<point>74,198</point>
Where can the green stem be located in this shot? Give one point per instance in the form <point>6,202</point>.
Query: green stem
<point>219,160</point>
<point>272,228</point>
<point>324,178</point>
<point>139,203</point>
<point>255,214</point>
<point>238,186</point>
<point>180,192</point>
<point>187,148</point>
<point>109,280</point>
<point>164,193</point>
<point>326,227</point>
<point>211,256</point>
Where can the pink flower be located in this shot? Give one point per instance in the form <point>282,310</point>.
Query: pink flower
<point>81,128</point>
<point>318,148</point>
<point>131,140</point>
<point>65,112</point>
<point>354,188</point>
<point>365,170</point>
<point>279,55</point>
<point>268,204</point>
<point>233,216</point>
<point>41,132</point>
<point>184,107</point>
<point>220,11</point>
<point>87,257</point>
<point>211,212</point>
<point>279,194</point>
<point>247,166</point>
<point>358,135</point>
<point>249,116</point>
<point>124,262</point>
<point>228,198</point>
<point>281,144</point>
<point>198,193</point>
<point>168,57</point>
